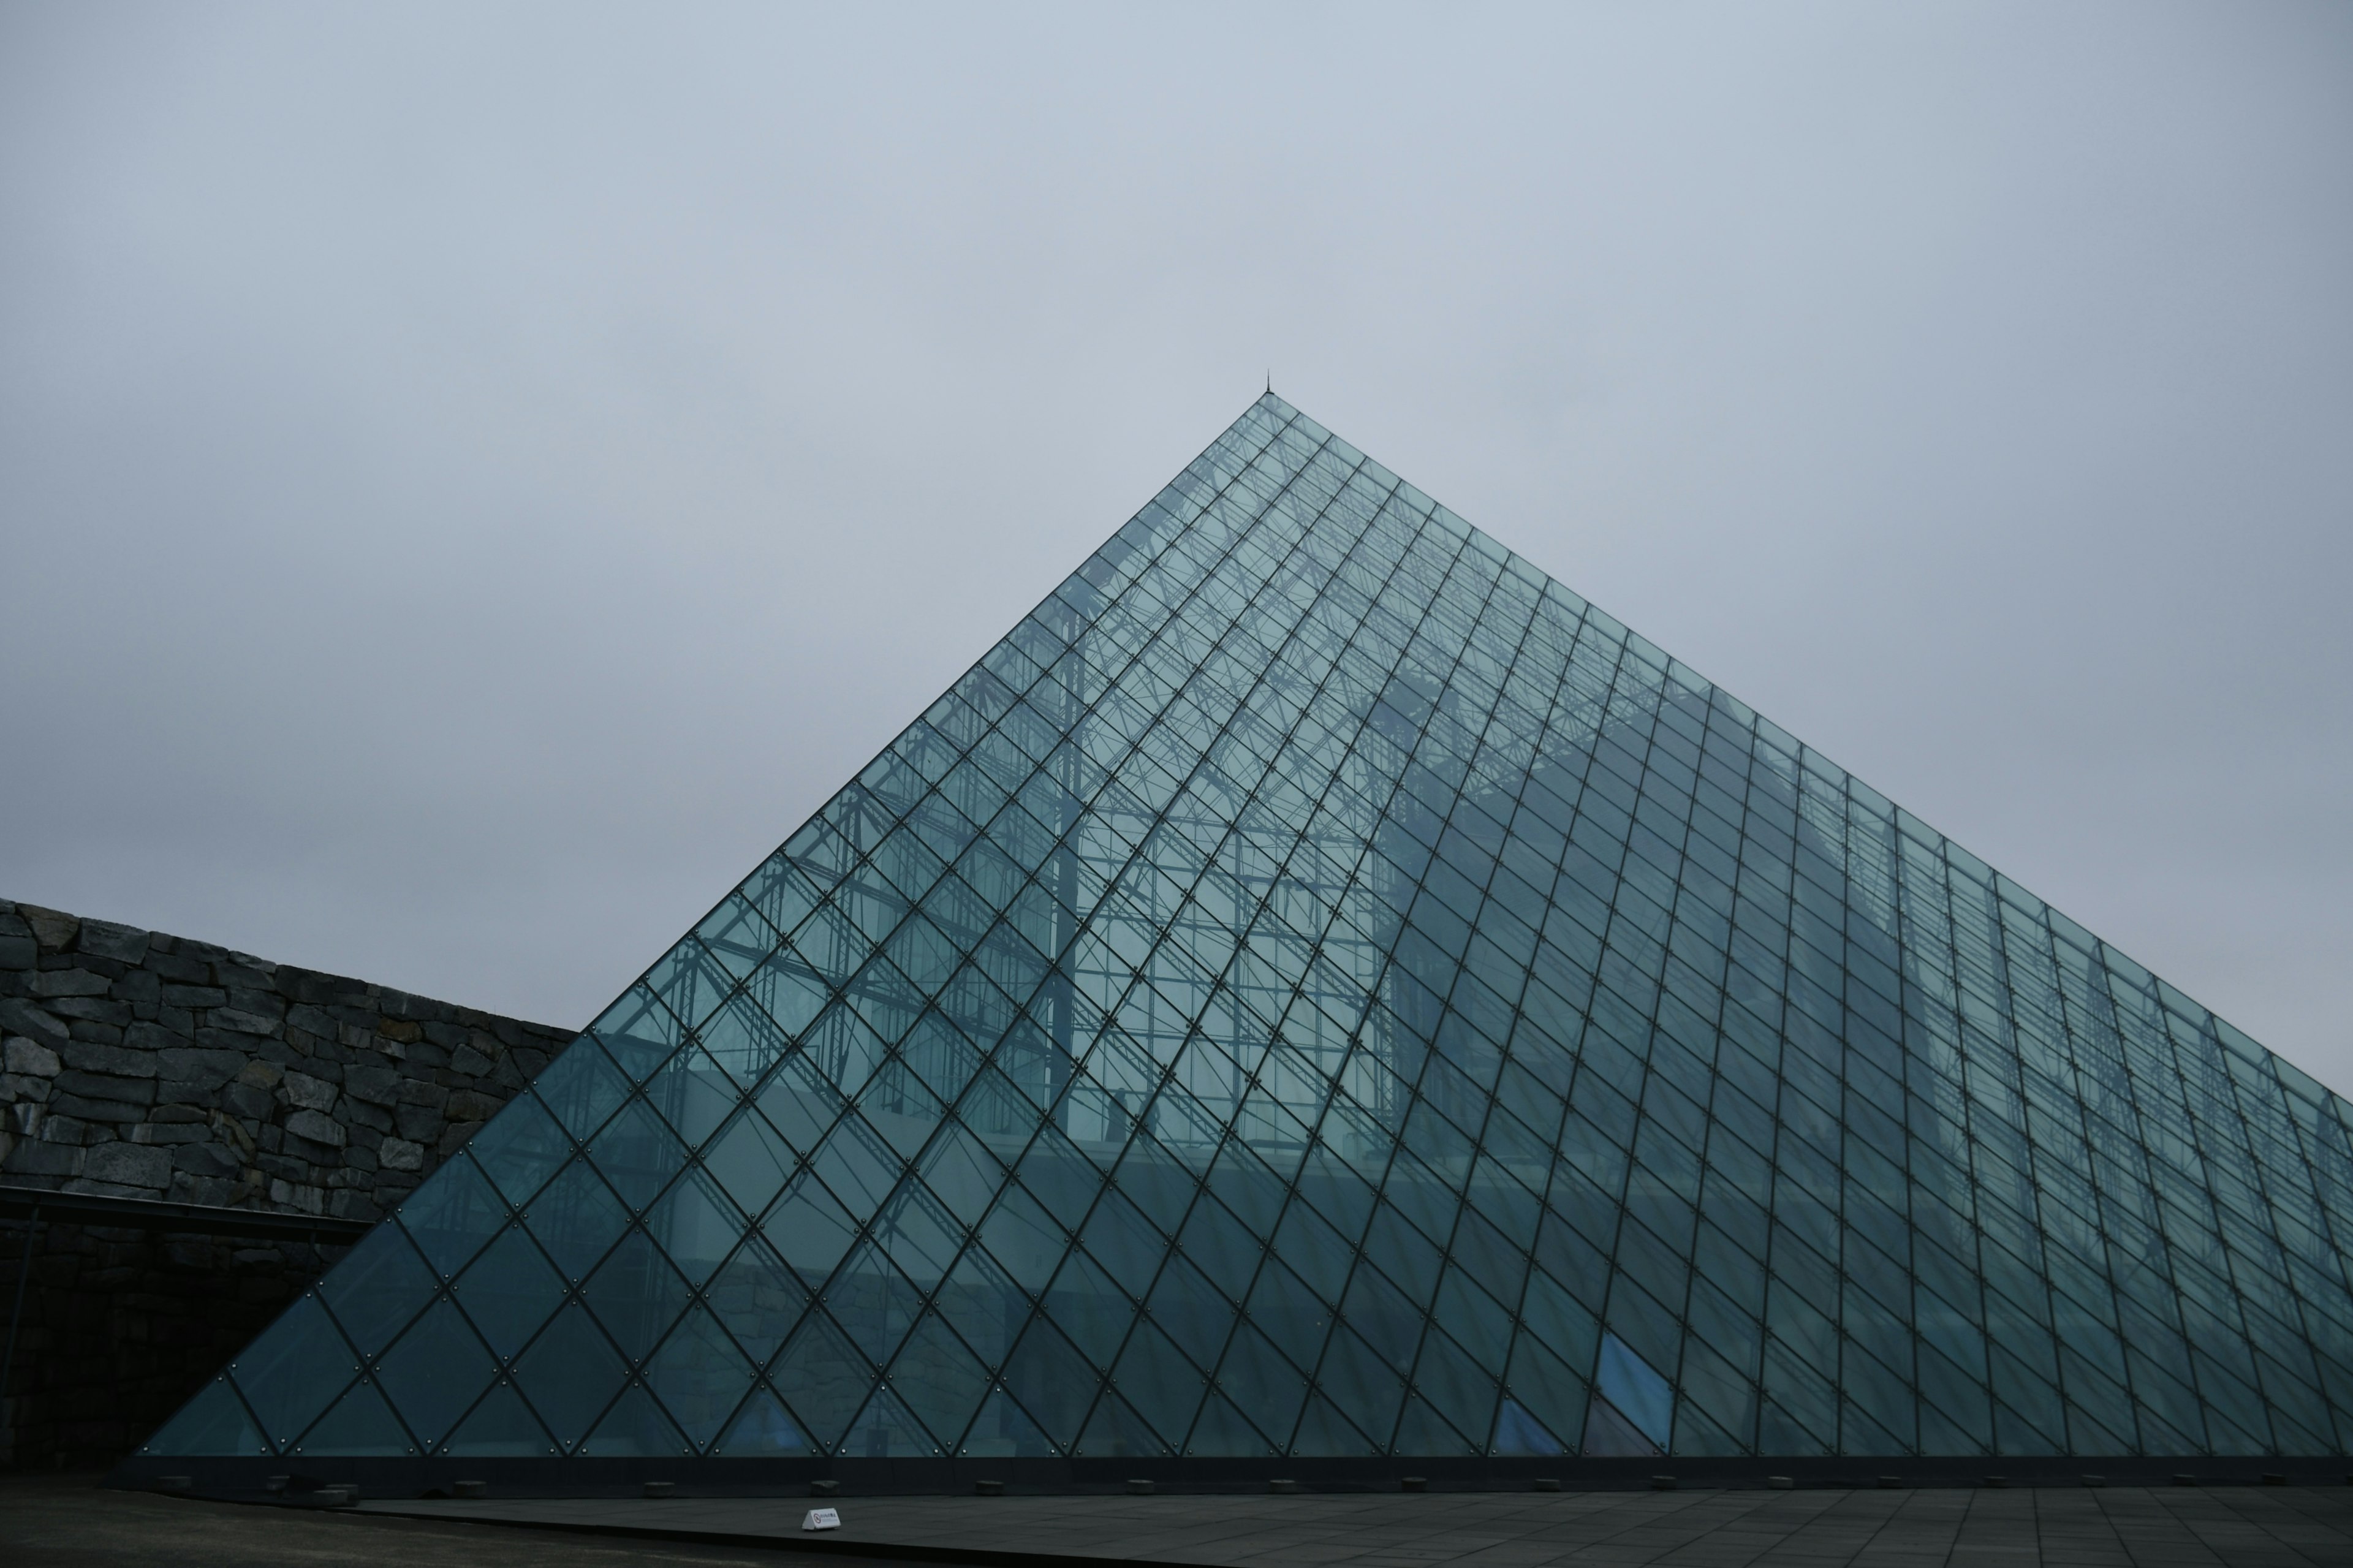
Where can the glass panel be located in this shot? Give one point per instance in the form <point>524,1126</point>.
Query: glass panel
<point>292,1372</point>
<point>582,1087</point>
<point>453,1214</point>
<point>361,1423</point>
<point>1639,1393</point>
<point>885,1429</point>
<point>938,1377</point>
<point>636,1295</point>
<point>751,1160</point>
<point>1004,1430</point>
<point>763,1429</point>
<point>509,1292</point>
<point>757,1298</point>
<point>215,1422</point>
<point>436,1370</point>
<point>1611,1434</point>
<point>569,1373</point>
<point>576,1219</point>
<point>502,1424</point>
<point>637,1153</point>
<point>824,1378</point>
<point>635,1425</point>
<point>520,1148</point>
<point>378,1286</point>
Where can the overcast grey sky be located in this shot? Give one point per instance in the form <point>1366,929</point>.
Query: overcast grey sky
<point>473,479</point>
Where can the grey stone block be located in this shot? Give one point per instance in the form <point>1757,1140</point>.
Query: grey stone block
<point>317,1128</point>
<point>190,1064</point>
<point>400,1154</point>
<point>471,1105</point>
<point>360,1117</point>
<point>312,1020</point>
<point>377,1085</point>
<point>422,1091</point>
<point>130,1164</point>
<point>300,1195</point>
<point>32,1157</point>
<point>94,1010</point>
<point>30,1057</point>
<point>246,1101</point>
<point>262,999</point>
<point>115,1059</point>
<point>70,983</point>
<point>107,1085</point>
<point>205,1159</point>
<point>469,1061</point>
<point>111,1112</point>
<point>153,1037</point>
<point>220,1192</point>
<point>418,1123</point>
<point>20,952</point>
<point>193,996</point>
<point>140,986</point>
<point>240,1022</point>
<point>177,1094</point>
<point>125,944</point>
<point>353,1205</point>
<point>21,1017</point>
<point>170,1133</point>
<point>54,928</point>
<point>308,1093</point>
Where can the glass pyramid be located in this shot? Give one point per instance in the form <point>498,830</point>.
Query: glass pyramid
<point>1318,988</point>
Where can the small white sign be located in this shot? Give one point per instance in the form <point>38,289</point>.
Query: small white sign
<point>822,1519</point>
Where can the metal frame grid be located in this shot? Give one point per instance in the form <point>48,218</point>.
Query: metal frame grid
<point>1318,988</point>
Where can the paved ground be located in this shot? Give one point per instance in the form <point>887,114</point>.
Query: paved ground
<point>66,1521</point>
<point>50,1521</point>
<point>2125,1526</point>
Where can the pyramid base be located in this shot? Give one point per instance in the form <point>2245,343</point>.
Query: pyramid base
<point>248,1479</point>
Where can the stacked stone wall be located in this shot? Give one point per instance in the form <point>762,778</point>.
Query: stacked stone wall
<point>143,1064</point>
